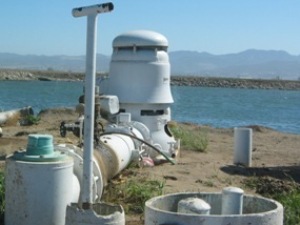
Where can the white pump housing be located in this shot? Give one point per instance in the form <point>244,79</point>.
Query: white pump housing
<point>140,65</point>
<point>140,77</point>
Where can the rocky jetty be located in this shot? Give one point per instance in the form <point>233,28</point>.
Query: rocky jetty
<point>199,81</point>
<point>42,75</point>
<point>236,83</point>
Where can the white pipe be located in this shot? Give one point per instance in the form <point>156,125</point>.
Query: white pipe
<point>15,114</point>
<point>116,155</point>
<point>232,201</point>
<point>243,146</point>
<point>89,96</point>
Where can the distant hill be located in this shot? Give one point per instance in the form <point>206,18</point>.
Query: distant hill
<point>247,64</point>
<point>58,62</point>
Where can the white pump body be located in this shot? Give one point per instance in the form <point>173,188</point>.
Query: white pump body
<point>140,77</point>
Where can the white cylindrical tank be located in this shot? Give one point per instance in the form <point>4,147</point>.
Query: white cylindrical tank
<point>39,184</point>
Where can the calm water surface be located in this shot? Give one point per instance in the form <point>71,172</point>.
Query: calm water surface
<point>226,107</point>
<point>218,107</point>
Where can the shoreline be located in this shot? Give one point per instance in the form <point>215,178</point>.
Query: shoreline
<point>254,126</point>
<point>196,81</point>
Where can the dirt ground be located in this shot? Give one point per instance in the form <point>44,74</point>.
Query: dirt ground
<point>275,155</point>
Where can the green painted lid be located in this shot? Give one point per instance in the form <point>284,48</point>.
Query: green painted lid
<point>39,149</point>
<point>40,144</point>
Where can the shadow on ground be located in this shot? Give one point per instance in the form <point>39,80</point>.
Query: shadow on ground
<point>291,173</point>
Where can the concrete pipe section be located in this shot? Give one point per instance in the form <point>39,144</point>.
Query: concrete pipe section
<point>167,210</point>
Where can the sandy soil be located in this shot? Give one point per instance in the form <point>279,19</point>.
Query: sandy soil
<point>275,155</point>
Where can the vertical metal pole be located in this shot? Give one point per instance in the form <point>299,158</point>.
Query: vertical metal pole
<point>89,97</point>
<point>89,111</point>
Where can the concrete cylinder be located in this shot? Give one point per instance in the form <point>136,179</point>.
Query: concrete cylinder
<point>256,210</point>
<point>242,146</point>
<point>232,201</point>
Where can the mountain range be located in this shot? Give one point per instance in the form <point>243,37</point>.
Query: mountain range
<point>264,64</point>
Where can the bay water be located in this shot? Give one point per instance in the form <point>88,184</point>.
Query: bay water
<point>216,107</point>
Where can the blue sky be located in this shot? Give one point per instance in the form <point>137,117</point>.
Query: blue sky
<point>215,26</point>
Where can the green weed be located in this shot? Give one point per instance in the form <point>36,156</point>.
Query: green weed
<point>285,192</point>
<point>192,138</point>
<point>134,193</point>
<point>31,120</point>
<point>290,202</point>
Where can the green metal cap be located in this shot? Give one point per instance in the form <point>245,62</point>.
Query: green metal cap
<point>40,144</point>
<point>39,149</point>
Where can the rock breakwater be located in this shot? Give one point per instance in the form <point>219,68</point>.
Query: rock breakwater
<point>236,83</point>
<point>10,74</point>
<point>6,74</point>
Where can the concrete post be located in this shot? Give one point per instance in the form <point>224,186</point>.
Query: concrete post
<point>243,146</point>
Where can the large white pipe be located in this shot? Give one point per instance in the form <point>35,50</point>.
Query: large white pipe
<point>15,114</point>
<point>116,154</point>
